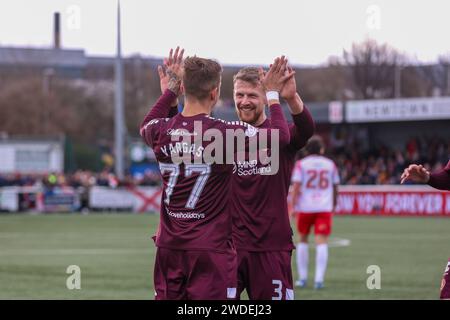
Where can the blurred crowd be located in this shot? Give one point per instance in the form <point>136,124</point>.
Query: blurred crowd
<point>357,163</point>
<point>380,164</point>
<point>80,178</point>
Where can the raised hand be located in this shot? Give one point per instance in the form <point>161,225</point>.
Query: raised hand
<point>289,90</point>
<point>163,79</point>
<point>170,76</point>
<point>415,173</point>
<point>289,93</point>
<point>277,75</point>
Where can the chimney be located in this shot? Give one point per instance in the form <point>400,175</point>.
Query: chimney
<point>56,31</point>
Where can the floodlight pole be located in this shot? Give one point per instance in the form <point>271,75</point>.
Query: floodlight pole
<point>119,131</point>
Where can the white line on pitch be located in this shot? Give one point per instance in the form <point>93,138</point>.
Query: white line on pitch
<point>338,242</point>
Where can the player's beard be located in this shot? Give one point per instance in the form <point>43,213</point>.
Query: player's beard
<point>249,115</point>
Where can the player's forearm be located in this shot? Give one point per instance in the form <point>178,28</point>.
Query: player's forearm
<point>302,129</point>
<point>295,194</point>
<point>174,103</point>
<point>440,180</point>
<point>162,108</point>
<point>279,122</point>
<point>294,200</point>
<point>295,105</point>
<point>305,123</point>
<point>335,196</point>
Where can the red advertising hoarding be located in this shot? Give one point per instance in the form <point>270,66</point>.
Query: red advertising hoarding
<point>393,201</point>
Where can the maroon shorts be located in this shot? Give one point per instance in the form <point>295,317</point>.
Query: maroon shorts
<point>195,275</point>
<point>445,284</point>
<point>321,221</point>
<point>265,275</point>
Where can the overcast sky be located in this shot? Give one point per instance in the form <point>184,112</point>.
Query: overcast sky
<point>233,31</point>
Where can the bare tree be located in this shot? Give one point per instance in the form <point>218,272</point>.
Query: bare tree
<point>68,109</point>
<point>373,68</point>
<point>437,76</point>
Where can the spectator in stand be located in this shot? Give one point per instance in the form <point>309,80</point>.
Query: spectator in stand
<point>79,178</point>
<point>382,165</point>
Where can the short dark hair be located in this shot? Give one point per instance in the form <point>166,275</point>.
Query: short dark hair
<point>200,76</point>
<point>314,145</point>
<point>248,74</point>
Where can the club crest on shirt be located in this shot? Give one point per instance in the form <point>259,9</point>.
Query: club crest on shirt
<point>251,131</point>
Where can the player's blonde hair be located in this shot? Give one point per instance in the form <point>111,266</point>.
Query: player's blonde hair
<point>248,74</point>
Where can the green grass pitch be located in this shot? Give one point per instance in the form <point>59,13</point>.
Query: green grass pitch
<point>115,253</point>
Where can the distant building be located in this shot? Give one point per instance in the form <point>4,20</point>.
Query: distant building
<point>31,155</point>
<point>67,63</point>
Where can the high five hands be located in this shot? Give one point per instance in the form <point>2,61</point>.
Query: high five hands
<point>171,74</point>
<point>279,73</point>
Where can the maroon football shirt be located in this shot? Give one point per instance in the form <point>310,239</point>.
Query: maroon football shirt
<point>259,202</point>
<point>441,179</point>
<point>195,206</point>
